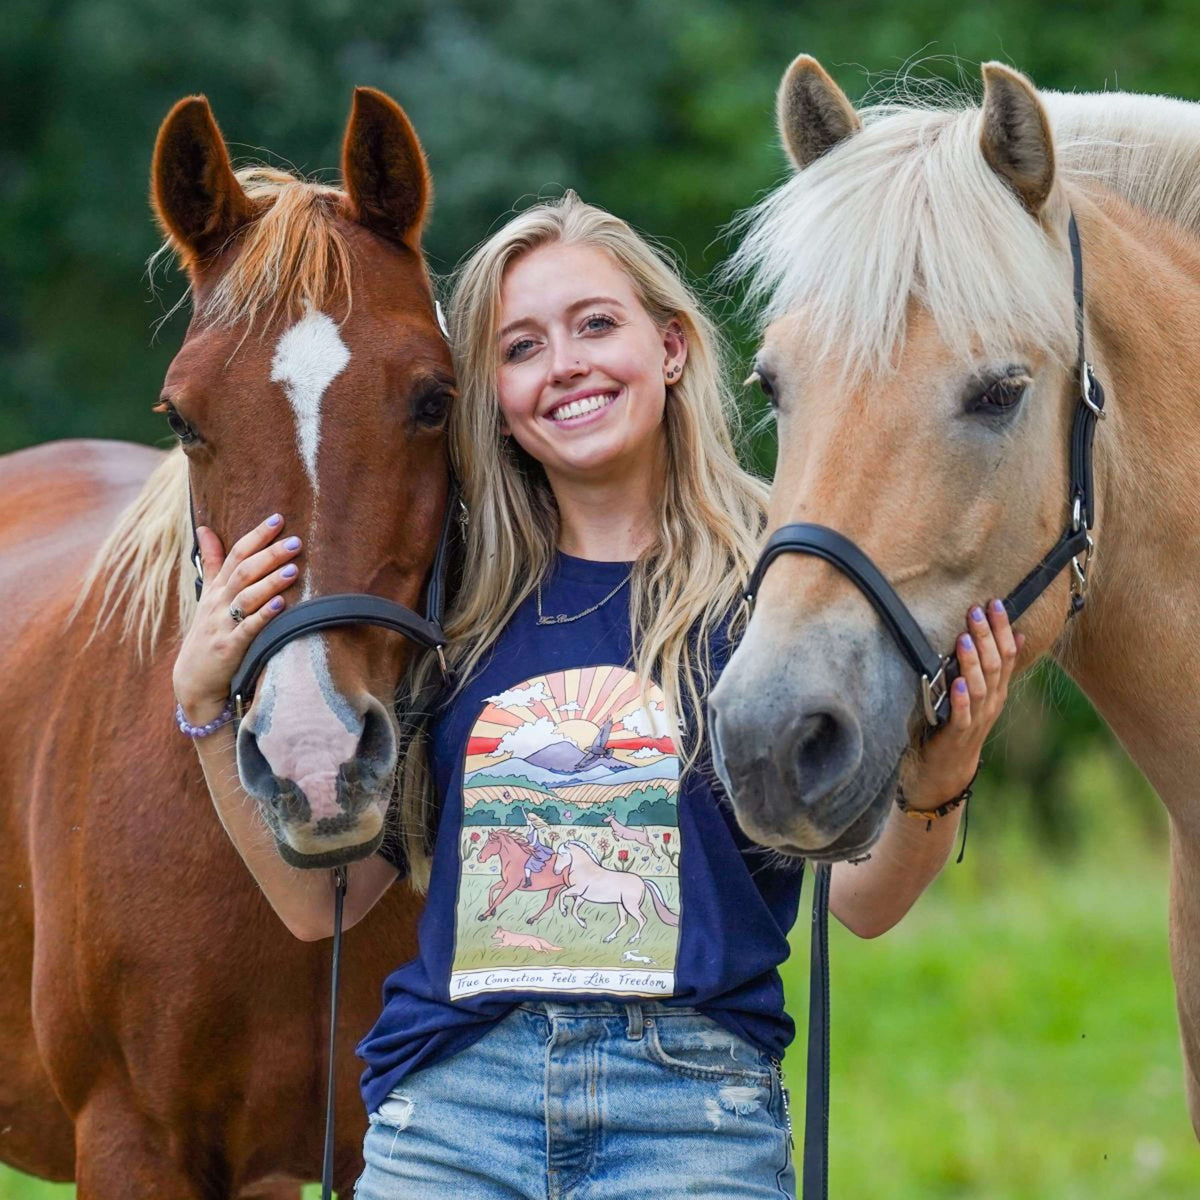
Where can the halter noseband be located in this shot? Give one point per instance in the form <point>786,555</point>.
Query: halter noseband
<point>350,608</point>
<point>1074,546</point>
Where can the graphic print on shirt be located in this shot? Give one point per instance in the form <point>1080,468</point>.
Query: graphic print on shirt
<point>569,850</point>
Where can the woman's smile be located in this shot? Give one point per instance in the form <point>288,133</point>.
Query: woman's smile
<point>583,408</point>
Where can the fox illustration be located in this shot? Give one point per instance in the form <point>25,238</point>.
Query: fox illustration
<point>524,941</point>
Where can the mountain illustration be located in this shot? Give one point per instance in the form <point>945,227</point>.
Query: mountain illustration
<point>566,758</point>
<point>612,771</point>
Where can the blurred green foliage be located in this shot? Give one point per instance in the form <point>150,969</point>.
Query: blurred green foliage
<point>661,110</point>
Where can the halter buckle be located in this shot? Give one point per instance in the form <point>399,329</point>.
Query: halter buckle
<point>933,693</point>
<point>1086,392</point>
<point>1079,578</point>
<point>239,706</point>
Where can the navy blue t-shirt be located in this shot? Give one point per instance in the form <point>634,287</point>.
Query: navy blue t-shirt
<point>571,860</point>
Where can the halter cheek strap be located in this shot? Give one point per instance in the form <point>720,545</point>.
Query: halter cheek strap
<point>1073,548</point>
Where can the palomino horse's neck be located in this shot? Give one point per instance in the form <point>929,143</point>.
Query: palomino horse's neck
<point>1132,651</point>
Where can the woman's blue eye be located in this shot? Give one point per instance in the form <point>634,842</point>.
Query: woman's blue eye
<point>518,347</point>
<point>598,321</point>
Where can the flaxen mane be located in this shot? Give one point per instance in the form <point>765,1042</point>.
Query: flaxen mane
<point>292,257</point>
<point>908,210</point>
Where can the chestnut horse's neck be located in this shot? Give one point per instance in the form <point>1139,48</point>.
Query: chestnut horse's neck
<point>1131,651</point>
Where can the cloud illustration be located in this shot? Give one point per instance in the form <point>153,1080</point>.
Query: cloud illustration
<point>528,739</point>
<point>652,723</point>
<point>570,706</point>
<point>521,697</point>
<point>646,752</point>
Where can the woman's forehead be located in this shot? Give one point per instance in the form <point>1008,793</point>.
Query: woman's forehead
<point>549,280</point>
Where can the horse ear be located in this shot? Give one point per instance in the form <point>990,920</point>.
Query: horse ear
<point>197,198</point>
<point>1015,135</point>
<point>812,112</point>
<point>384,169</point>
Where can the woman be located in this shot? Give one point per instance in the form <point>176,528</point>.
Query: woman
<point>630,1043</point>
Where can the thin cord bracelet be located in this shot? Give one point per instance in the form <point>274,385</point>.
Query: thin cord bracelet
<point>929,815</point>
<point>203,731</point>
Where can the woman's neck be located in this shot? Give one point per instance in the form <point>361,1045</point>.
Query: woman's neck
<point>608,520</point>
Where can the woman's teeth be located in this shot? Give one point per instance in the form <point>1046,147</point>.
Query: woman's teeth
<point>580,408</point>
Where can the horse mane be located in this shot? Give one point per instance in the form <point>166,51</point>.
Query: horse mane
<point>520,839</point>
<point>584,847</point>
<point>138,569</point>
<point>908,210</point>
<point>292,257</point>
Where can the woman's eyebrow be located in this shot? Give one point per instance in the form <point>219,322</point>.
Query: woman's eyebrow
<point>586,302</point>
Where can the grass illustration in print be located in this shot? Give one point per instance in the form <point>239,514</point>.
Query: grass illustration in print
<point>569,850</point>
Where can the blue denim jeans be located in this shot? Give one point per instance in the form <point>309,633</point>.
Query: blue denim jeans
<point>587,1101</point>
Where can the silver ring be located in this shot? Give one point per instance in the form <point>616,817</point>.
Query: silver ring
<point>236,613</point>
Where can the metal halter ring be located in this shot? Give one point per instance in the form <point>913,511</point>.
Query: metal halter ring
<point>237,614</point>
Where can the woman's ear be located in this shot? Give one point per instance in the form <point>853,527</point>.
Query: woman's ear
<point>676,350</point>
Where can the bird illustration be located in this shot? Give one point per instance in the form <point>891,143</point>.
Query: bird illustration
<point>597,750</point>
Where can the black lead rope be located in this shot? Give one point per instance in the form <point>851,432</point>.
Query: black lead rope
<point>816,1105</point>
<point>339,898</point>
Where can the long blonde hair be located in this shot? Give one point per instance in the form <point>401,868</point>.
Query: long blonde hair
<point>688,579</point>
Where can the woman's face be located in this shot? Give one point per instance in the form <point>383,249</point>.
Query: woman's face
<point>581,379</point>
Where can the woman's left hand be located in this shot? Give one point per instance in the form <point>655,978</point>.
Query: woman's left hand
<point>986,653</point>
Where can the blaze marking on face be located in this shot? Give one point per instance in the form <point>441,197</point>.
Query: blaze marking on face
<point>308,358</point>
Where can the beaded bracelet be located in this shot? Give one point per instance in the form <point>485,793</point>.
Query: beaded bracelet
<point>203,731</point>
<point>929,815</point>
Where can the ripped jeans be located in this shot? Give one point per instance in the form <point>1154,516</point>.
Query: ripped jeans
<point>587,1101</point>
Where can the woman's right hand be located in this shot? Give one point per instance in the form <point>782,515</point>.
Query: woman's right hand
<point>254,575</point>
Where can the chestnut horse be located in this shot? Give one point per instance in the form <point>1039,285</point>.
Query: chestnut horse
<point>920,355</point>
<point>161,1033</point>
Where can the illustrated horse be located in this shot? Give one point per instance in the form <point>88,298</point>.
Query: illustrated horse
<point>921,356</point>
<point>591,881</point>
<point>513,851</point>
<point>161,1031</point>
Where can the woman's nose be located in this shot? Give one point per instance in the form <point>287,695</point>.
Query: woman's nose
<point>566,361</point>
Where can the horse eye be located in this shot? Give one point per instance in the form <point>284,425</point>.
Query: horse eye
<point>765,384</point>
<point>431,406</point>
<point>1002,394</point>
<point>179,427</point>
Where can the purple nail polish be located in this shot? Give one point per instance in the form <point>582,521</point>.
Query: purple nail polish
<point>960,686</point>
<point>277,603</point>
<point>290,571</point>
<point>966,642</point>
<point>997,606</point>
<point>275,520</point>
<point>293,543</point>
<point>977,613</point>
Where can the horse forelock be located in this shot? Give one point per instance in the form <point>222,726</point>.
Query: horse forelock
<point>905,211</point>
<point>908,210</point>
<point>292,258</point>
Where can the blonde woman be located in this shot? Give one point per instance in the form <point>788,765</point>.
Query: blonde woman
<point>631,1046</point>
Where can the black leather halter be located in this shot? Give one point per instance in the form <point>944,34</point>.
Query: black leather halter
<point>349,608</point>
<point>1074,546</point>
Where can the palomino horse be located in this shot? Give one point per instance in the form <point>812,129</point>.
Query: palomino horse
<point>514,851</point>
<point>591,881</point>
<point>920,355</point>
<point>161,1029</point>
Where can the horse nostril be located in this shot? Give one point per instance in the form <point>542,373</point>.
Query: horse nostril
<point>376,754</point>
<point>823,751</point>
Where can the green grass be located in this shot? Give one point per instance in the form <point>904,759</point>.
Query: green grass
<point>1014,1037</point>
<point>1010,1043</point>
